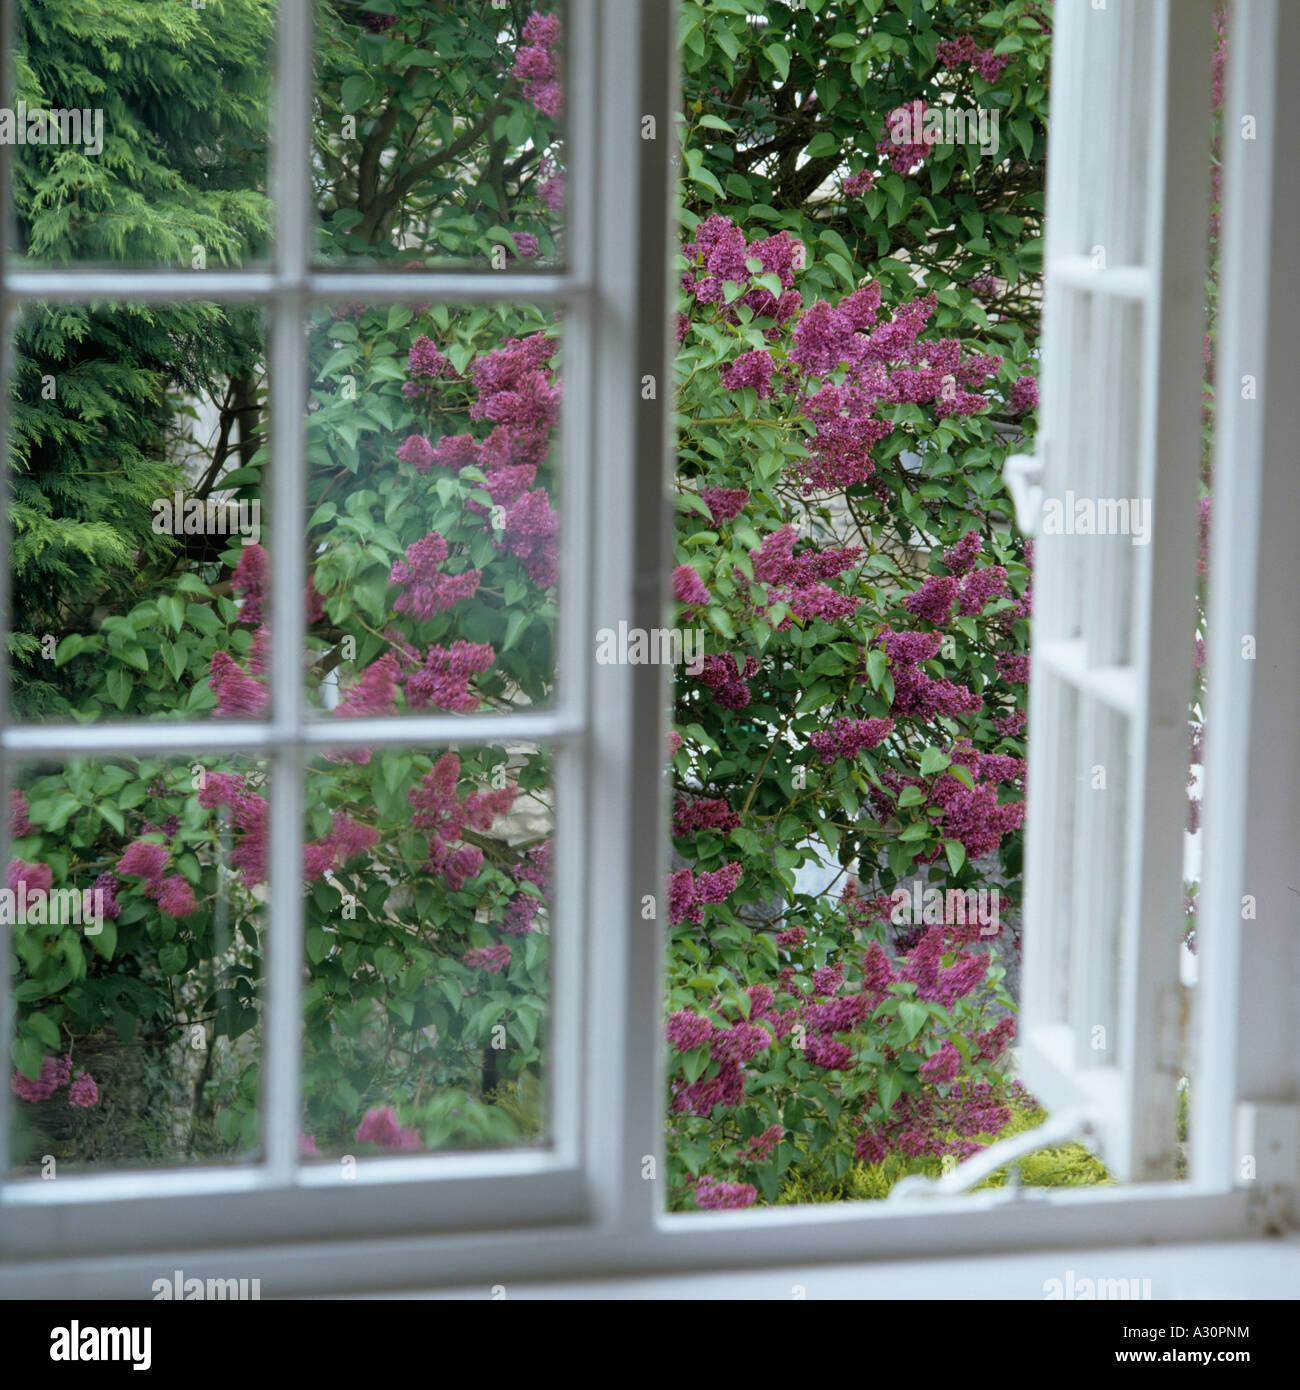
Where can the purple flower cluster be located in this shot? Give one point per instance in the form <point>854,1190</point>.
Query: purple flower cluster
<point>249,579</point>
<point>686,1030</point>
<point>702,813</point>
<point>688,893</point>
<point>729,685</point>
<point>689,588</point>
<point>725,503</point>
<point>1024,395</point>
<point>846,738</point>
<point>442,813</point>
<point>916,693</point>
<point>380,1127</point>
<point>751,369</point>
<point>535,64</point>
<point>443,681</point>
<point>428,591</point>
<point>493,959</point>
<point>236,691</point>
<point>711,1194</point>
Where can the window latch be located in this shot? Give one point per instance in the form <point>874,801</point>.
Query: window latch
<point>1058,1129</point>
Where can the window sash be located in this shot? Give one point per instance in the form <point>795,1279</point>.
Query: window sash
<point>606,1217</point>
<point>1115,653</point>
<point>512,1185</point>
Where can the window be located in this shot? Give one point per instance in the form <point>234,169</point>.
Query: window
<point>1108,680</point>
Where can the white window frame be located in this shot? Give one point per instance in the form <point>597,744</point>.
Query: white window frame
<point>585,1207</point>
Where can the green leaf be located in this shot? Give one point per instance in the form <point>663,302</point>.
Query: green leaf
<point>780,56</point>
<point>956,853</point>
<point>933,760</point>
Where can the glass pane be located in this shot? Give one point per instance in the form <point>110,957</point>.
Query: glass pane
<point>439,134</point>
<point>135,888</point>
<point>140,142</point>
<point>428,922</point>
<point>139,579</point>
<point>433,543</point>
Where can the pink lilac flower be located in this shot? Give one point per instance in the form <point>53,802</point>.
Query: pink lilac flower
<point>441,812</point>
<point>55,1072</point>
<point>956,53</point>
<point>941,1068</point>
<point>107,885</point>
<point>759,1148</point>
<point>535,64</point>
<point>1013,667</point>
<point>846,738</point>
<point>993,1043</point>
<point>427,590</point>
<point>689,588</point>
<point>19,825</point>
<point>83,1092</point>
<point>307,1146</point>
<point>1024,394</point>
<point>702,813</point>
<point>982,587</point>
<point>714,1195</point>
<point>674,741</point>
<point>933,601</point>
<point>35,879</point>
<point>792,937</point>
<point>686,1030</point>
<point>989,65</point>
<point>175,897</point>
<point>906,142</point>
<point>374,693</point>
<point>688,893</point>
<point>752,369</point>
<point>236,691</point>
<point>828,1053</point>
<point>725,503</point>
<point>424,359</point>
<point>379,1126</point>
<point>740,1043</point>
<point>531,532</point>
<point>493,959</point>
<point>728,685</point>
<point>443,681</point>
<point>418,452</point>
<point>520,914</point>
<point>144,859</point>
<point>859,182</point>
<point>526,244</point>
<point>249,579</point>
<point>960,558</point>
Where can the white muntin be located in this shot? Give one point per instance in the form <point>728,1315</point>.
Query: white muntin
<point>179,515</point>
<point>658,646</point>
<point>56,126</point>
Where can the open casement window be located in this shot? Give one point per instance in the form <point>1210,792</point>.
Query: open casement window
<point>1113,641</point>
<point>1115,570</point>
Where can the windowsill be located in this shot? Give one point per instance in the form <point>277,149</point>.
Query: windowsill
<point>1255,1269</point>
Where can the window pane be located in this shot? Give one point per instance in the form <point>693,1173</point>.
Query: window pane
<point>433,539</point>
<point>439,134</point>
<point>428,922</point>
<point>139,578</point>
<point>135,888</point>
<point>140,141</point>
